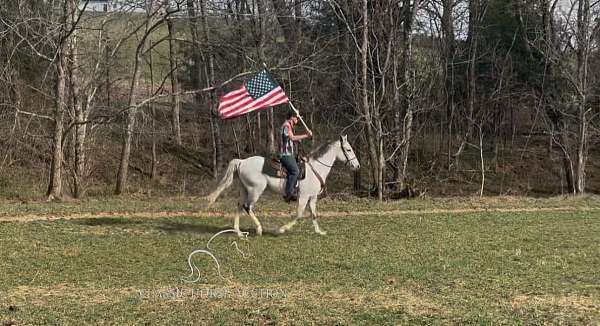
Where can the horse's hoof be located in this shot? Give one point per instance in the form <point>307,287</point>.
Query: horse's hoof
<point>281,230</point>
<point>259,231</point>
<point>321,233</point>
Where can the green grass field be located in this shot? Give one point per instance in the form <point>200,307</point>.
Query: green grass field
<point>426,267</point>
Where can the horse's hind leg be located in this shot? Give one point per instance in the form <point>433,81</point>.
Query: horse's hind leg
<point>302,200</point>
<point>256,222</point>
<point>241,209</point>
<point>253,195</point>
<point>312,206</point>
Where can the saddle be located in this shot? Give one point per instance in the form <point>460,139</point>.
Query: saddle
<point>275,169</point>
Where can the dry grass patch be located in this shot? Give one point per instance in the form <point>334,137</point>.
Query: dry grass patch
<point>49,295</point>
<point>578,303</point>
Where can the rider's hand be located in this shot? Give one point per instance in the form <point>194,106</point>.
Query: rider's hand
<point>310,134</point>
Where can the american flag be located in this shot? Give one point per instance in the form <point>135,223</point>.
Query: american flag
<point>257,93</point>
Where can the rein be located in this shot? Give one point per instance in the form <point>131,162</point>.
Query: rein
<point>321,181</point>
<point>348,159</point>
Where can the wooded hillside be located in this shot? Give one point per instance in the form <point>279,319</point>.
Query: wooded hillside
<point>437,96</point>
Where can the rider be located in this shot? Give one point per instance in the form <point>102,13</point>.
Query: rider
<point>287,154</point>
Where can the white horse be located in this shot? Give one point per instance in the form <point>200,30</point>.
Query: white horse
<point>250,174</point>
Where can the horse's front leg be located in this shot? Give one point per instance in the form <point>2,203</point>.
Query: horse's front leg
<point>236,221</point>
<point>259,229</point>
<point>312,205</point>
<point>253,195</point>
<point>242,207</point>
<point>302,200</point>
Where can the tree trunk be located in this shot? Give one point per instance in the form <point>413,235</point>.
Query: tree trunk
<point>80,155</point>
<point>298,20</point>
<point>129,127</point>
<point>481,161</point>
<point>210,80</point>
<point>197,56</point>
<point>287,23</point>
<point>449,52</point>
<point>81,105</point>
<point>370,137</point>
<point>581,150</point>
<point>260,6</point>
<point>153,117</point>
<point>131,110</point>
<point>473,38</point>
<point>55,183</point>
<point>107,76</point>
<point>250,139</point>
<point>567,161</point>
<point>175,101</point>
<point>583,38</point>
<point>407,91</point>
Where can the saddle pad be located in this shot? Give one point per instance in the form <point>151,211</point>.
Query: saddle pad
<point>274,169</point>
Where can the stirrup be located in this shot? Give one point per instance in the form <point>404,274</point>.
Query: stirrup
<point>246,208</point>
<point>290,198</point>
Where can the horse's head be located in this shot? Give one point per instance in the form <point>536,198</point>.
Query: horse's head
<point>347,155</point>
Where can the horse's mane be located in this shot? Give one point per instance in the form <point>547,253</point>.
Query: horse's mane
<point>322,149</point>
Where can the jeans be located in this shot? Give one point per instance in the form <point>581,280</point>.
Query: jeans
<point>289,163</point>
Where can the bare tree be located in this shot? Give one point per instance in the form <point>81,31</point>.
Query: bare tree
<point>210,74</point>
<point>404,127</point>
<point>372,142</point>
<point>449,51</point>
<point>477,10</point>
<point>565,35</point>
<point>175,89</point>
<point>153,20</point>
<point>66,29</point>
<point>583,41</point>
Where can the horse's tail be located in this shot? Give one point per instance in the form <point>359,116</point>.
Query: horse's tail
<point>226,182</point>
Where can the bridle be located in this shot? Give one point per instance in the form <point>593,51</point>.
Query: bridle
<point>321,181</point>
<point>348,159</point>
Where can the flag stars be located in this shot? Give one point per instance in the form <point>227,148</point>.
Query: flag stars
<point>260,85</point>
<point>259,92</point>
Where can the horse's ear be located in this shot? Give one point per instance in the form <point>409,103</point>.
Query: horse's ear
<point>345,138</point>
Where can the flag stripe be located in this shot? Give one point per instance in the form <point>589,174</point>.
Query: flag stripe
<point>259,92</point>
<point>225,105</point>
<point>245,104</point>
<point>234,93</point>
<point>278,100</point>
<point>234,106</point>
<point>226,100</point>
<point>276,96</point>
<point>232,98</point>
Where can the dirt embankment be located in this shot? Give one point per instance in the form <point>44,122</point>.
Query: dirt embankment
<point>166,214</point>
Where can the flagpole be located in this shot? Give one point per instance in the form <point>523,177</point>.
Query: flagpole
<point>291,105</point>
<point>299,116</point>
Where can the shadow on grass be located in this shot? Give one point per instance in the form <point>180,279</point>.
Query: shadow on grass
<point>169,227</point>
<point>164,226</point>
<point>181,227</point>
<point>100,221</point>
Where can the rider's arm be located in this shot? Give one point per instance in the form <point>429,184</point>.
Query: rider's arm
<point>294,137</point>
